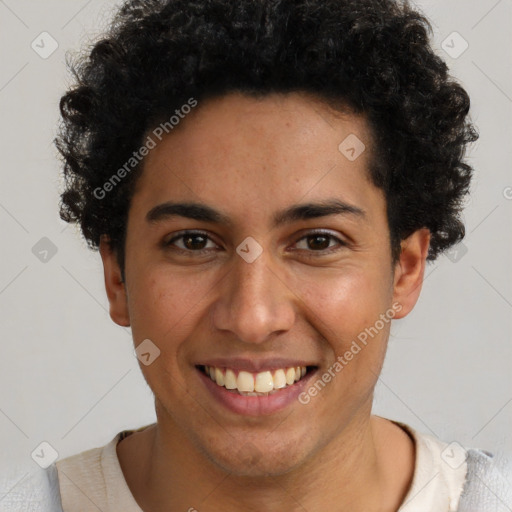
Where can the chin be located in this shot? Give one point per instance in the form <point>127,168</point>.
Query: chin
<point>252,459</point>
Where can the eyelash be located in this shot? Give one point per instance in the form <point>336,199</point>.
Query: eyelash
<point>322,252</point>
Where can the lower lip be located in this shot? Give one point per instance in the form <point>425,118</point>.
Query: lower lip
<point>256,405</point>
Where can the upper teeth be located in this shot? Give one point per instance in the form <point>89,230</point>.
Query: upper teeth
<point>263,382</point>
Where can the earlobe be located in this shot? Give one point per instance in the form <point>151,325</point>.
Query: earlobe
<point>410,270</point>
<point>114,285</point>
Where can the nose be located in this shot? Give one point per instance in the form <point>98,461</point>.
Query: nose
<point>254,301</point>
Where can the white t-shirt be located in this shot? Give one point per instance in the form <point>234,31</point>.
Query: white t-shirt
<point>93,480</point>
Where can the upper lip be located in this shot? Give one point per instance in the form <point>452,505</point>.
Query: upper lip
<point>255,365</point>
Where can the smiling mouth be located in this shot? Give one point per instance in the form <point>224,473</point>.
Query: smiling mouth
<point>256,384</point>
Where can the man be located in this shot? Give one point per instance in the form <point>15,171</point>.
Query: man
<point>265,181</point>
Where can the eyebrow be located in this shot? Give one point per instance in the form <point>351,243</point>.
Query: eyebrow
<point>204,213</point>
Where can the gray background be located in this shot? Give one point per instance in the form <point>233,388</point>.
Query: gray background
<point>68,374</point>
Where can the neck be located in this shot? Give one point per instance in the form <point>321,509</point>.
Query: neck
<point>350,472</point>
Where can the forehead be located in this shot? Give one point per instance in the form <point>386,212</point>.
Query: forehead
<point>242,152</point>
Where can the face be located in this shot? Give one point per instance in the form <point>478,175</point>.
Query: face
<point>252,281</point>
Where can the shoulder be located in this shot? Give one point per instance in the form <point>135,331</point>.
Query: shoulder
<point>82,479</point>
<point>488,483</point>
<point>458,478</point>
<point>30,488</point>
<point>77,466</point>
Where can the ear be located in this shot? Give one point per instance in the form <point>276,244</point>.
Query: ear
<point>114,285</point>
<point>409,270</point>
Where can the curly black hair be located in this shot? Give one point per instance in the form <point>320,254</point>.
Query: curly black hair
<point>373,56</point>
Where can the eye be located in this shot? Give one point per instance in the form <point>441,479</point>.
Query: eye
<point>196,242</point>
<point>192,241</point>
<point>319,242</point>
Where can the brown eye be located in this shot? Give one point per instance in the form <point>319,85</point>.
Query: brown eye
<point>320,242</point>
<point>194,242</point>
<point>190,241</point>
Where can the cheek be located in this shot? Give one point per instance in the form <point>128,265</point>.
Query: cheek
<point>346,310</point>
<point>163,304</point>
<point>165,309</point>
<point>346,307</point>
<point>348,298</point>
